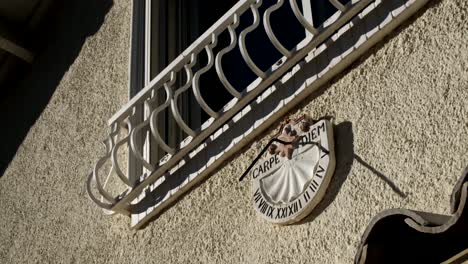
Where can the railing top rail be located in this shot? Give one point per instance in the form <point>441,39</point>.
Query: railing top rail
<point>182,59</point>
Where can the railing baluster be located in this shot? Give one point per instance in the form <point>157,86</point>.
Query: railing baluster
<point>134,146</point>
<point>243,49</point>
<point>300,17</point>
<point>107,206</point>
<point>338,5</point>
<point>271,35</point>
<point>196,77</point>
<point>219,68</point>
<point>175,110</point>
<point>98,165</point>
<point>154,115</point>
<point>114,151</point>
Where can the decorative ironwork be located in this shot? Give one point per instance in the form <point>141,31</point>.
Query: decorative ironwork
<point>125,118</point>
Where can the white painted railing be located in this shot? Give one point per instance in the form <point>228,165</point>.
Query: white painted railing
<point>124,119</point>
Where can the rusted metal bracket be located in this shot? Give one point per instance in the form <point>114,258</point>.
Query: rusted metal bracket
<point>287,139</point>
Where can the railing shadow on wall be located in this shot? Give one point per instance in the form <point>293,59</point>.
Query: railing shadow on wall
<point>344,153</point>
<point>288,89</point>
<point>345,157</point>
<point>67,26</point>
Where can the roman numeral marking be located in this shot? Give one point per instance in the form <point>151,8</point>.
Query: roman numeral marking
<point>270,211</point>
<point>313,186</point>
<point>261,204</point>
<point>291,209</point>
<point>324,154</point>
<point>257,195</point>
<point>320,170</point>
<point>281,213</point>
<point>306,196</point>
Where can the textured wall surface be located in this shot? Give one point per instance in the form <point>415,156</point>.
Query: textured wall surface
<point>402,124</point>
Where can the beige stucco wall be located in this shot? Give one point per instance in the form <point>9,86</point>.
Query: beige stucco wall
<point>403,110</point>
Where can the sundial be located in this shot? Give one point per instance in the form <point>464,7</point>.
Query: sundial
<point>292,177</point>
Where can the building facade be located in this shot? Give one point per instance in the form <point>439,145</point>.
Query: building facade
<point>397,97</point>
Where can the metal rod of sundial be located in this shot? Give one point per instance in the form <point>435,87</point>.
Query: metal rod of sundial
<point>316,144</point>
<point>260,155</point>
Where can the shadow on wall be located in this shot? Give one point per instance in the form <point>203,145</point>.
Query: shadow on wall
<point>66,28</point>
<point>345,156</point>
<point>344,153</point>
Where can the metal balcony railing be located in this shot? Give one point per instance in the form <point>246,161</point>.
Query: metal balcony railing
<point>124,119</point>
